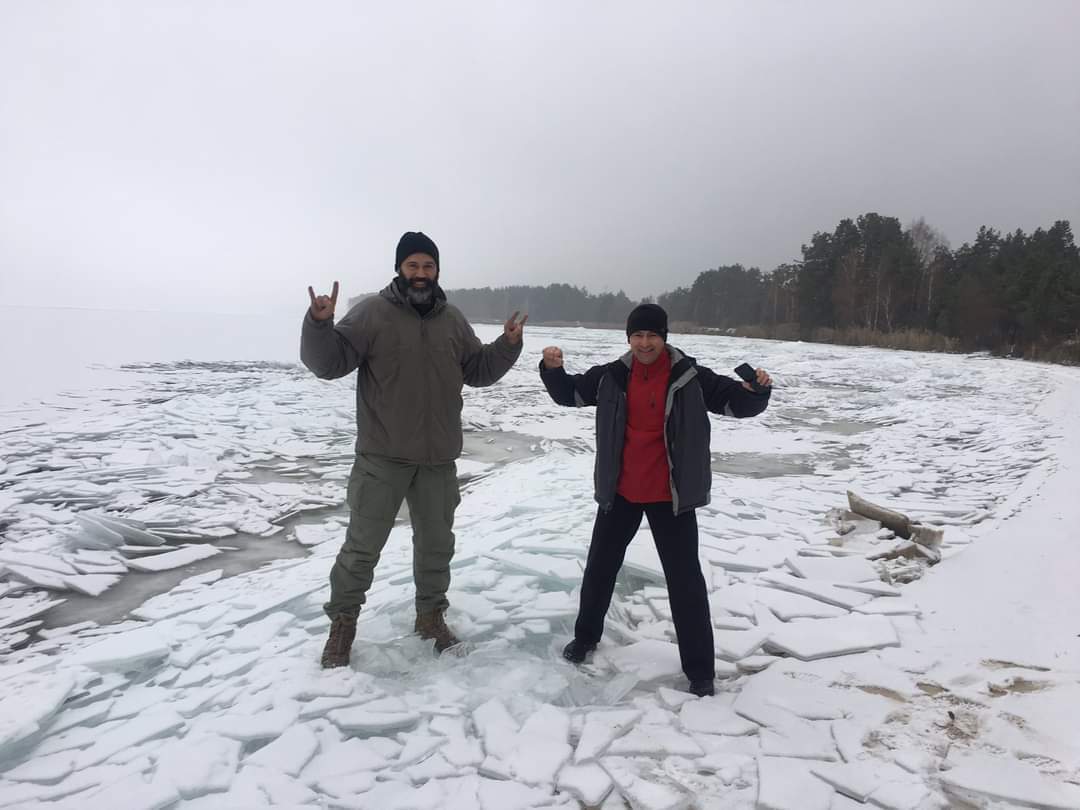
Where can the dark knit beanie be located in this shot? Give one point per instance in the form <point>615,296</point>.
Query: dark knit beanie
<point>415,242</point>
<point>647,318</point>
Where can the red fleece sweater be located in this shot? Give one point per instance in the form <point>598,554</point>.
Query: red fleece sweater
<point>644,476</point>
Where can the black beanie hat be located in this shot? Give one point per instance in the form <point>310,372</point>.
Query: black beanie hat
<point>415,242</point>
<point>647,318</point>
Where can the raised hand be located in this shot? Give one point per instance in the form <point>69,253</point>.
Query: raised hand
<point>763,379</point>
<point>552,357</point>
<point>513,328</point>
<point>322,306</point>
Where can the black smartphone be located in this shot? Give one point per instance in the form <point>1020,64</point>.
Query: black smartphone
<point>747,372</point>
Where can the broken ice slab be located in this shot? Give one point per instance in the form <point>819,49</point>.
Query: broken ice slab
<point>37,577</point>
<point>124,651</point>
<point>311,534</point>
<point>198,580</point>
<point>173,559</point>
<point>142,551</point>
<point>642,559</point>
<point>129,733</point>
<point>45,769</point>
<point>757,555</point>
<point>588,783</point>
<point>352,755</point>
<point>21,609</point>
<point>135,792</point>
<point>731,645</point>
<point>497,727</point>
<point>418,746</point>
<point>977,777</point>
<point>741,598</point>
<point>824,592</point>
<point>649,740</point>
<point>362,720</point>
<point>28,702</point>
<point>93,535</point>
<point>565,570</point>
<point>200,764</point>
<point>170,604</point>
<point>650,660</point>
<point>861,779</point>
<point>126,531</point>
<point>889,606</point>
<point>821,638</point>
<point>833,569</point>
<point>91,584</point>
<point>789,784</point>
<point>712,715</point>
<point>873,588</point>
<point>50,563</point>
<point>289,753</point>
<point>541,748</point>
<point>258,633</point>
<point>799,739</point>
<point>601,727</point>
<point>263,725</point>
<point>115,566</point>
<point>643,789</point>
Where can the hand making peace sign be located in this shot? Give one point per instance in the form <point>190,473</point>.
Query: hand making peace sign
<point>513,328</point>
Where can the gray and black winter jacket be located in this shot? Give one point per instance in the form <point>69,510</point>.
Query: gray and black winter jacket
<point>693,391</point>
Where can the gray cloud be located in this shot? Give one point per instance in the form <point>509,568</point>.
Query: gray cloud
<point>219,156</point>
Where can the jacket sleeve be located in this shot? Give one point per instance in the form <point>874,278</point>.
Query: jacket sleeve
<point>486,364</point>
<point>332,351</point>
<point>572,390</point>
<point>726,396</point>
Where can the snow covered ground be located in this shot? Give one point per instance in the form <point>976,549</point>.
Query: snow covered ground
<point>841,683</point>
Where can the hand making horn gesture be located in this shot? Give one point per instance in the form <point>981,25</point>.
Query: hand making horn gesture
<point>322,306</point>
<point>513,328</point>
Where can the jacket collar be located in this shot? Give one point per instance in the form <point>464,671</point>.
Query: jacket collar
<point>675,355</point>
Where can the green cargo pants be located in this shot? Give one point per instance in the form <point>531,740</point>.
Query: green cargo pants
<point>377,487</point>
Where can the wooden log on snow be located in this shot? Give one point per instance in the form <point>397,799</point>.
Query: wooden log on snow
<point>896,521</point>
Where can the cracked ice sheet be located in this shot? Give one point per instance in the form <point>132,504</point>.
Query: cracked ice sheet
<point>497,510</point>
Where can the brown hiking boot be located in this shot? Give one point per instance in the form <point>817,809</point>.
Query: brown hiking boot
<point>339,645</point>
<point>433,626</point>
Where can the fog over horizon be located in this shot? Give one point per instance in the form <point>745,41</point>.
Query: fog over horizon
<point>205,158</point>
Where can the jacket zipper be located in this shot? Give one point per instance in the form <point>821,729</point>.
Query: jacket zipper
<point>674,388</point>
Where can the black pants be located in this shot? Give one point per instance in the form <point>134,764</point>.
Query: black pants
<point>676,539</point>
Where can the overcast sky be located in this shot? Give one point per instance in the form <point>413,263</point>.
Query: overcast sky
<point>224,155</point>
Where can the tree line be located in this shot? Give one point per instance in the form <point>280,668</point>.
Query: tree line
<point>555,303</point>
<point>869,281</point>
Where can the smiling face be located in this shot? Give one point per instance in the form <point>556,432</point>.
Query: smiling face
<point>646,346</point>
<point>419,270</point>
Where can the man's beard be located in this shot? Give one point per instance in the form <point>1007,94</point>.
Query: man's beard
<point>420,296</point>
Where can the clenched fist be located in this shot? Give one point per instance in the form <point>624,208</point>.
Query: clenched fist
<point>552,357</point>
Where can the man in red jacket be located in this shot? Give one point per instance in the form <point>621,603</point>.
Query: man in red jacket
<point>652,445</point>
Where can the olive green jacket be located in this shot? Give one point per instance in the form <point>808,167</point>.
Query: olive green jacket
<point>410,370</point>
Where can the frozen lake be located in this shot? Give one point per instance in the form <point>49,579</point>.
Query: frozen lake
<point>209,695</point>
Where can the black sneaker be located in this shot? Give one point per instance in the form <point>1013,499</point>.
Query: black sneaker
<point>575,651</point>
<point>703,687</point>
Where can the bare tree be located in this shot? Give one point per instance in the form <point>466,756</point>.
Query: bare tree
<point>927,240</point>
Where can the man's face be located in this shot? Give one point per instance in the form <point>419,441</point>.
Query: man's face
<point>646,346</point>
<point>419,270</point>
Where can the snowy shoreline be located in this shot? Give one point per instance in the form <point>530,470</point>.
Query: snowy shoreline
<point>211,697</point>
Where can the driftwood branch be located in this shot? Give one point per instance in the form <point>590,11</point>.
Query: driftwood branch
<point>896,521</point>
<point>926,538</point>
